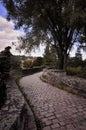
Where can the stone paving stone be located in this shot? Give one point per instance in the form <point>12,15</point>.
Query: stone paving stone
<point>55,108</point>
<point>55,121</point>
<point>70,127</point>
<point>47,128</point>
<point>56,125</point>
<point>52,117</point>
<point>62,128</point>
<point>48,122</point>
<point>62,123</point>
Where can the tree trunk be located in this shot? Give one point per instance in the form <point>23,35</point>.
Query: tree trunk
<point>60,61</point>
<point>65,61</point>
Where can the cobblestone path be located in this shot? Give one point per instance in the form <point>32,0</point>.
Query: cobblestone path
<point>55,108</point>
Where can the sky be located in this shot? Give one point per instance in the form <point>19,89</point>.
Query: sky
<point>7,32</point>
<point>9,35</point>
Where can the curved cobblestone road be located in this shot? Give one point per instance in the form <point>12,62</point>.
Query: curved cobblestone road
<point>56,109</point>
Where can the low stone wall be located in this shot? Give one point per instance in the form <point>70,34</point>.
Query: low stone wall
<point>60,77</point>
<point>15,114</point>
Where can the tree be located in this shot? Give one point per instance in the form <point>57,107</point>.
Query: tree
<point>2,91</point>
<point>47,58</point>
<point>37,62</point>
<point>50,56</point>
<point>78,54</point>
<point>5,61</point>
<point>77,60</point>
<point>4,72</point>
<point>15,63</point>
<point>58,22</point>
<point>27,64</point>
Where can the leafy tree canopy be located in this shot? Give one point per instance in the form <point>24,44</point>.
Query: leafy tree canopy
<point>58,22</point>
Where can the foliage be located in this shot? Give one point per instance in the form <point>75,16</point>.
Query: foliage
<point>50,56</point>
<point>47,57</point>
<point>77,66</point>
<point>2,92</point>
<point>37,62</point>
<point>58,22</point>
<point>4,64</point>
<point>78,54</point>
<point>5,58</point>
<point>15,62</point>
<point>27,64</point>
<point>4,73</point>
<point>77,71</point>
<point>84,64</point>
<point>74,70</point>
<point>75,62</point>
<point>33,70</point>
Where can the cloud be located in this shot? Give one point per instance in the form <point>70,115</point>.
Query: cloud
<point>7,33</point>
<point>5,24</point>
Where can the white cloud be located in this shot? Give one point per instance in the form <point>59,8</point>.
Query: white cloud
<point>5,24</point>
<point>7,33</point>
<point>39,51</point>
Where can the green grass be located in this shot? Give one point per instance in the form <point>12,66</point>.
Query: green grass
<point>77,71</point>
<point>64,87</point>
<point>56,84</point>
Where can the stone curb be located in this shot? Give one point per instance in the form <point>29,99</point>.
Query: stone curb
<point>16,114</point>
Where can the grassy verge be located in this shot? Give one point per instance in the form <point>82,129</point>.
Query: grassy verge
<point>56,84</point>
<point>64,87</point>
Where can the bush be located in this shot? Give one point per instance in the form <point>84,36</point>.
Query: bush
<point>15,63</point>
<point>27,64</point>
<point>5,66</point>
<point>74,70</point>
<point>31,70</point>
<point>2,92</point>
<point>75,62</point>
<point>38,62</point>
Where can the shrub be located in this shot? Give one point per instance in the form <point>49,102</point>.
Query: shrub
<point>15,63</point>
<point>2,92</point>
<point>27,64</point>
<point>38,62</point>
<point>5,66</point>
<point>31,70</point>
<point>74,70</point>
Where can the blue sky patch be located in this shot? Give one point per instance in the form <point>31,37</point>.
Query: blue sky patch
<point>3,11</point>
